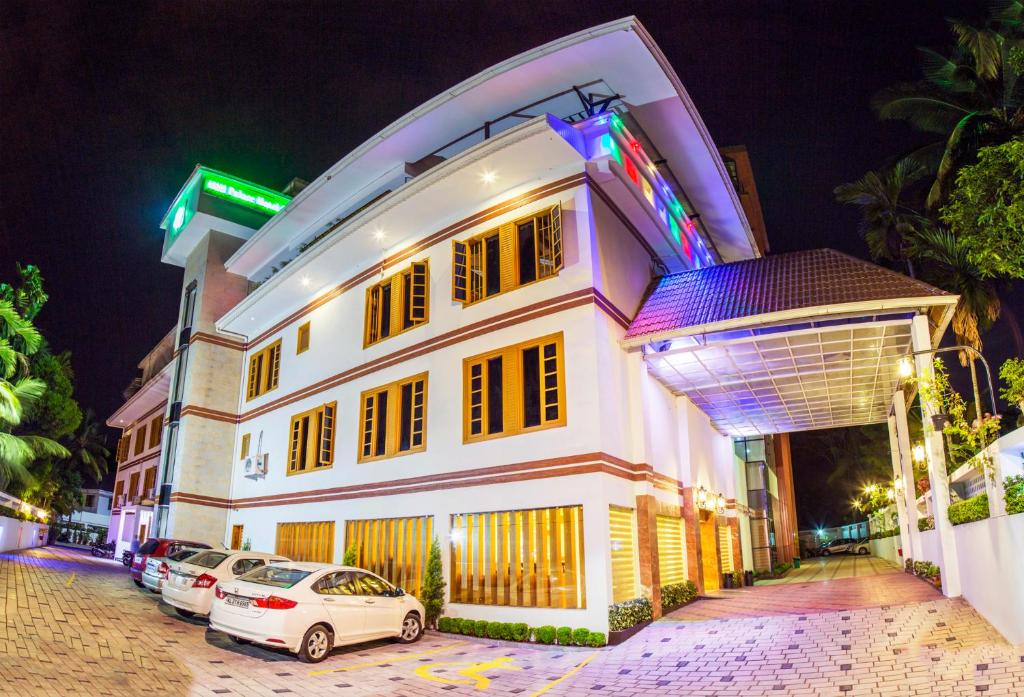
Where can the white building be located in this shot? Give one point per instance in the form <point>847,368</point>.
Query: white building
<point>533,319</point>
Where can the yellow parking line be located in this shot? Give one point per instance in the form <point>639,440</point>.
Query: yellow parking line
<point>568,675</point>
<point>72,579</point>
<point>399,659</point>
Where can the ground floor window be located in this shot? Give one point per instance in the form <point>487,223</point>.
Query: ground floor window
<point>725,547</point>
<point>671,550</point>
<point>236,536</point>
<point>621,533</point>
<point>393,548</point>
<point>531,558</point>
<point>306,541</point>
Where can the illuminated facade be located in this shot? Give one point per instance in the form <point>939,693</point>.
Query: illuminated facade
<point>447,335</point>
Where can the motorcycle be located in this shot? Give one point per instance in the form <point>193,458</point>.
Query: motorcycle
<point>127,557</point>
<point>105,550</point>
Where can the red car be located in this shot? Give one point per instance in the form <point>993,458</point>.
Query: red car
<point>158,547</point>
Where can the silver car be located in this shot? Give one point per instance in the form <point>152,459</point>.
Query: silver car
<point>157,569</point>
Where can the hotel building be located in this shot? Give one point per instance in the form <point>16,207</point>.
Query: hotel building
<point>528,319</point>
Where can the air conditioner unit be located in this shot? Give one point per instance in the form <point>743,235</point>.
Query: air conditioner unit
<point>255,465</point>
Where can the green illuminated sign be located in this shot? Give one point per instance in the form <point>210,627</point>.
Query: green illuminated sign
<point>244,194</point>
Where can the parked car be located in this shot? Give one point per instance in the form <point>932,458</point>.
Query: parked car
<point>189,585</point>
<point>158,547</point>
<point>157,568</point>
<point>846,547</point>
<point>310,608</point>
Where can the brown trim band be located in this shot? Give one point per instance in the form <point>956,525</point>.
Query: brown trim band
<point>208,338</point>
<point>132,463</point>
<point>212,414</point>
<point>432,239</point>
<point>611,310</point>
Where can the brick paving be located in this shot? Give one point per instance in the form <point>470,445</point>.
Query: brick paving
<point>74,625</point>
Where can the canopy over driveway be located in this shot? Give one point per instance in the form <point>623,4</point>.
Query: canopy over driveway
<point>789,342</point>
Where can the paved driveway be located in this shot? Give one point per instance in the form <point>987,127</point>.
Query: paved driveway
<point>73,625</point>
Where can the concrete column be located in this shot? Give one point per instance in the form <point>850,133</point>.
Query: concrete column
<point>899,409</point>
<point>920,337</point>
<point>647,540</point>
<point>901,500</point>
<point>691,518</point>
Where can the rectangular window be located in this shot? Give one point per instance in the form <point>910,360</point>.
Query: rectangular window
<point>397,303</point>
<point>306,541</point>
<point>302,339</point>
<point>245,446</point>
<point>264,370</point>
<point>140,439</point>
<point>621,534</point>
<point>236,536</point>
<point>118,491</point>
<point>515,389</point>
<point>531,558</point>
<point>514,255</point>
<point>156,429</point>
<point>393,548</point>
<point>311,439</point>
<point>393,419</point>
<point>122,447</point>
<point>725,547</point>
<point>671,549</point>
<point>149,482</point>
<point>133,485</point>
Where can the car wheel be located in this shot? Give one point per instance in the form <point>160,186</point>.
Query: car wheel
<point>238,640</point>
<point>316,644</point>
<point>863,550</point>
<point>826,553</point>
<point>412,629</point>
<point>187,614</point>
<point>138,583</point>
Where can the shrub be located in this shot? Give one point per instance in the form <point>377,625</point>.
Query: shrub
<point>925,569</point>
<point>432,594</point>
<point>676,594</point>
<point>469,627</point>
<point>580,636</point>
<point>926,523</point>
<point>494,630</point>
<point>908,566</point>
<point>969,510</point>
<point>564,635</point>
<point>520,631</point>
<point>481,629</point>
<point>1013,492</point>
<point>506,631</point>
<point>444,624</point>
<point>351,557</point>
<point>629,613</point>
<point>545,634</point>
<point>596,640</point>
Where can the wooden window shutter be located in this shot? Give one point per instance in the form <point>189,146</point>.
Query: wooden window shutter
<point>254,377</point>
<point>396,303</point>
<point>418,295</point>
<point>507,247</point>
<point>327,435</point>
<point>274,368</point>
<point>511,367</point>
<point>460,276</point>
<point>556,236</point>
<point>368,410</point>
<point>372,306</point>
<point>293,447</point>
<point>245,446</point>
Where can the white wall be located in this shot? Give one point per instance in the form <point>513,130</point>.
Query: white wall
<point>20,534</point>
<point>888,548</point>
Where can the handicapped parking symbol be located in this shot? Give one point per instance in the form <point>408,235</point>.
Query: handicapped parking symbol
<point>472,672</point>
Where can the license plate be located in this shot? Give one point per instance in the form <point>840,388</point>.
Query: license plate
<point>235,601</point>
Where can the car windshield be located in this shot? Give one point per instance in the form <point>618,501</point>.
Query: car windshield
<point>278,576</point>
<point>182,554</point>
<point>208,560</point>
<point>149,546</point>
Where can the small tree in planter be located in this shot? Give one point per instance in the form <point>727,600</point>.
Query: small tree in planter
<point>432,595</point>
<point>351,557</point>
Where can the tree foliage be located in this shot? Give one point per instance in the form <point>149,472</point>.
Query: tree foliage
<point>432,593</point>
<point>986,210</point>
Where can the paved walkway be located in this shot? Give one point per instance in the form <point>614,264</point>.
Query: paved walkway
<point>73,625</point>
<point>838,566</point>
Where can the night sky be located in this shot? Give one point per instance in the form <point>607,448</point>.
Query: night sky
<point>105,109</point>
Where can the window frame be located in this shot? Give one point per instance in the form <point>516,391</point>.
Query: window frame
<point>508,241</point>
<point>139,444</point>
<point>398,310</point>
<point>266,374</point>
<point>512,402</point>
<point>244,446</point>
<point>392,436</point>
<point>314,449</point>
<point>302,334</point>
<point>156,428</point>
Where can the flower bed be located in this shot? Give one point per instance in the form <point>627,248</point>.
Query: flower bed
<point>676,595</point>
<point>519,631</point>
<point>969,510</point>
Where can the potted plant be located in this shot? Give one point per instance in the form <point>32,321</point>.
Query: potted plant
<point>1012,375</point>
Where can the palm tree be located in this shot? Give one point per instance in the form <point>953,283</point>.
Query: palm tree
<point>887,224</point>
<point>970,99</point>
<point>87,448</point>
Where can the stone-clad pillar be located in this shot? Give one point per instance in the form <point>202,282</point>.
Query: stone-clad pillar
<point>647,539</point>
<point>691,525</point>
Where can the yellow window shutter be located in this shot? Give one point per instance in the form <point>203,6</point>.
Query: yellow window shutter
<point>367,414</point>
<point>556,236</point>
<point>396,303</point>
<point>512,390</point>
<point>274,369</point>
<point>418,295</point>
<point>293,450</point>
<point>254,378</point>
<point>507,245</point>
<point>460,276</point>
<point>327,435</point>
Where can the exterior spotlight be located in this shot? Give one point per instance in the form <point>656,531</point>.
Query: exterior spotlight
<point>918,453</point>
<point>898,484</point>
<point>305,281</point>
<point>378,235</point>
<point>721,504</point>
<point>906,367</point>
<point>890,494</point>
<point>488,177</point>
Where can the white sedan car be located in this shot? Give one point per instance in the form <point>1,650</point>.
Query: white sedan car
<point>310,608</point>
<point>189,585</point>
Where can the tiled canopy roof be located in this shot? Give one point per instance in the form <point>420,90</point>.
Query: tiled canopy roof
<point>777,283</point>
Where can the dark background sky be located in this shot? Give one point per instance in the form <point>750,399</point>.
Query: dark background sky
<point>106,107</point>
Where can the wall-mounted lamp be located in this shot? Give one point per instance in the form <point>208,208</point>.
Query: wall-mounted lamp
<point>906,367</point>
<point>898,484</point>
<point>917,453</point>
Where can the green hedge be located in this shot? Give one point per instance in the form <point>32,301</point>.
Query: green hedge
<point>629,613</point>
<point>677,594</point>
<point>12,513</point>
<point>882,534</point>
<point>926,523</point>
<point>1013,492</point>
<point>969,510</point>
<point>520,631</point>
